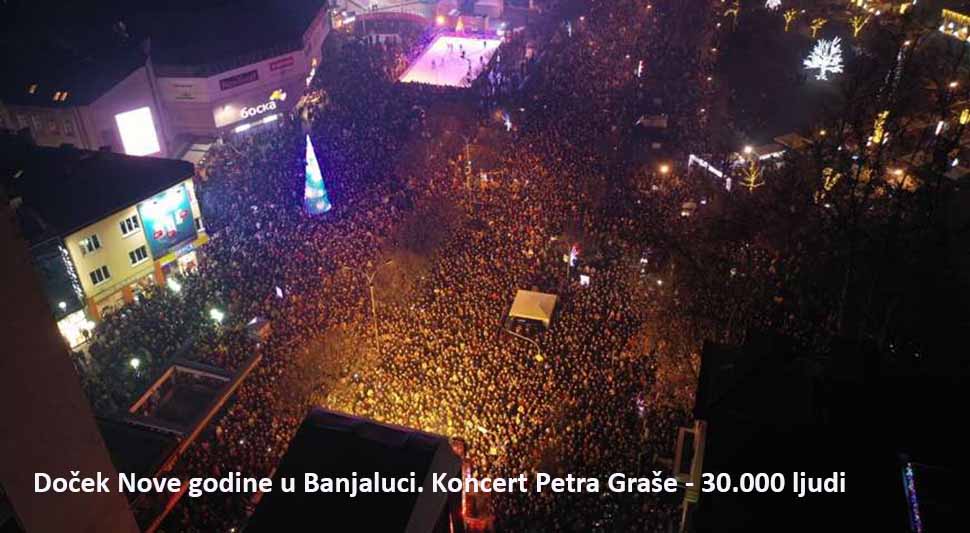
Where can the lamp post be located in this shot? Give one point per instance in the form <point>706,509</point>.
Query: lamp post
<point>539,357</point>
<point>373,301</point>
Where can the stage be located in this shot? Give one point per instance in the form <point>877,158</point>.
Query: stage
<point>450,69</point>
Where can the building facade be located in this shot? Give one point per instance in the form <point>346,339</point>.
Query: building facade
<point>118,256</point>
<point>155,103</point>
<point>103,227</point>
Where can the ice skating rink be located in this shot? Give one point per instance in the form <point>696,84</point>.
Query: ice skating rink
<point>450,69</point>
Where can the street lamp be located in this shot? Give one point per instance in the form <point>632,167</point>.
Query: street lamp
<point>664,168</point>
<point>373,302</point>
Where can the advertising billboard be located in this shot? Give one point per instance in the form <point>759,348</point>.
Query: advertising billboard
<point>239,79</point>
<point>138,133</point>
<point>167,220</point>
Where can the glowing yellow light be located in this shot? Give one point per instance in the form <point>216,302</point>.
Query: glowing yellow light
<point>878,129</point>
<point>789,17</point>
<point>817,25</point>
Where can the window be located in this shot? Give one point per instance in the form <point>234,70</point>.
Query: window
<point>138,255</point>
<point>129,225</point>
<point>100,275</point>
<point>198,224</point>
<point>90,244</point>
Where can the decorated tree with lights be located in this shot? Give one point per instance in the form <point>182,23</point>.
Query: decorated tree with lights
<point>314,193</point>
<point>816,25</point>
<point>773,5</point>
<point>826,57</point>
<point>753,177</point>
<point>858,22</point>
<point>789,17</point>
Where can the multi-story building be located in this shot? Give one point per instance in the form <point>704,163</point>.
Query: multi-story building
<point>103,227</point>
<point>156,82</point>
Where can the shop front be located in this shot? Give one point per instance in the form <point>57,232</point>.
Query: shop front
<point>76,328</point>
<point>185,259</point>
<point>255,109</point>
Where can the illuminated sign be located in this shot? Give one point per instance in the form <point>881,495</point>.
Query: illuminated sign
<point>239,79</point>
<point>231,113</point>
<point>167,220</point>
<point>257,110</point>
<point>138,132</point>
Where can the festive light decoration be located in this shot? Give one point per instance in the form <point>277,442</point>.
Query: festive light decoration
<point>829,178</point>
<point>773,5</point>
<point>789,17</point>
<point>826,57</point>
<point>964,117</point>
<point>859,22</point>
<point>753,176</point>
<point>816,25</point>
<point>909,481</point>
<point>878,130</point>
<point>733,12</point>
<point>315,193</point>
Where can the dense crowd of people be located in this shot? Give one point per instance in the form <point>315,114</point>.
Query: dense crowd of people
<point>603,390</point>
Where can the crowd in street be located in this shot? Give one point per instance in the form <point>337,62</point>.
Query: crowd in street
<point>600,392</point>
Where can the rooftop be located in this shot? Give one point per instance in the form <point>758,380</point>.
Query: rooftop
<point>218,35</point>
<point>61,54</point>
<point>64,189</point>
<point>57,54</point>
<point>337,446</point>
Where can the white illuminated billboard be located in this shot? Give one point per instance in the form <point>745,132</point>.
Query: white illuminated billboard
<point>138,132</point>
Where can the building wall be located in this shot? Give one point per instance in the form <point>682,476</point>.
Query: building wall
<point>204,106</point>
<point>114,253</point>
<point>48,126</point>
<point>47,421</point>
<point>132,93</point>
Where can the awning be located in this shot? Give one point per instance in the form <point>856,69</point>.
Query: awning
<point>534,306</point>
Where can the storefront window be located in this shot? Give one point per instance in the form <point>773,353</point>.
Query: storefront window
<point>76,328</point>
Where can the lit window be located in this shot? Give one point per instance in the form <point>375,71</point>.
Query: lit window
<point>32,89</point>
<point>138,255</point>
<point>100,275</point>
<point>90,244</point>
<point>129,225</point>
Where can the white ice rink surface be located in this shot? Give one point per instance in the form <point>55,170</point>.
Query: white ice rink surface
<point>449,67</point>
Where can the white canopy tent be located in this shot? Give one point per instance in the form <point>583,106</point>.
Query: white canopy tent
<point>532,305</point>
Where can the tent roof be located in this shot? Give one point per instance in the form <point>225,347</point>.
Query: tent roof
<point>533,305</point>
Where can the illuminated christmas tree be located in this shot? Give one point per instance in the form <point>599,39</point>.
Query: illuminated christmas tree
<point>826,57</point>
<point>315,194</point>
